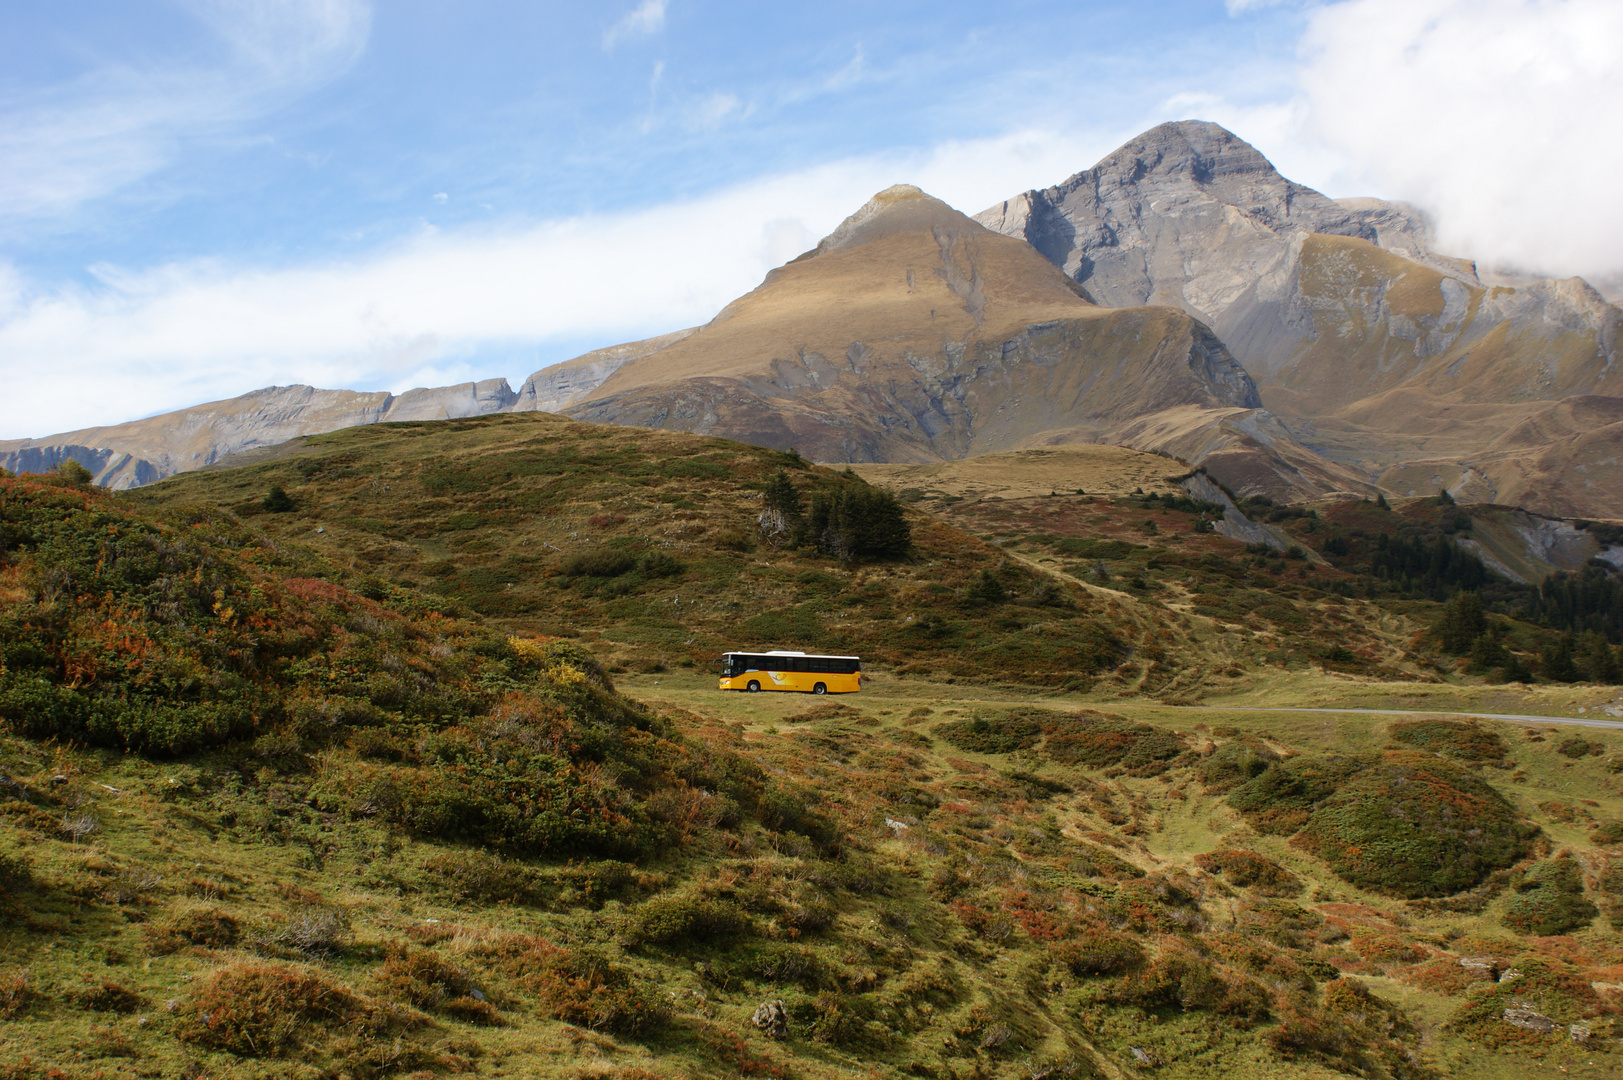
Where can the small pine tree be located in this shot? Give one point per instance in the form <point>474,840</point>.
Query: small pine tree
<point>1596,660</point>
<point>1487,653</point>
<point>782,495</point>
<point>987,589</point>
<point>1380,500</point>
<point>1461,623</point>
<point>277,501</point>
<point>1444,498</point>
<point>1555,663</point>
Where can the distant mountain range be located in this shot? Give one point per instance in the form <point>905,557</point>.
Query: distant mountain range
<point>1181,296</point>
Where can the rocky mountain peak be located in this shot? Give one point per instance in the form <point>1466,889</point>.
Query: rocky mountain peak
<point>901,208</point>
<point>1194,150</point>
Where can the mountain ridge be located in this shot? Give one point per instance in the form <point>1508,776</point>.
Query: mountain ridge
<point>1333,306</point>
<point>1181,297</point>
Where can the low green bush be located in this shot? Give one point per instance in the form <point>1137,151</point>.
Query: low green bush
<point>1413,826</point>
<point>1463,740</point>
<point>1182,979</point>
<point>1279,799</point>
<point>1088,739</point>
<point>481,876</point>
<point>1019,730</point>
<point>1233,763</point>
<point>601,563</point>
<point>204,927</point>
<point>1578,746</point>
<point>1607,834</point>
<point>580,987</point>
<point>684,917</point>
<point>658,564</point>
<point>1097,741</point>
<point>1549,899</point>
<point>267,1010</point>
<point>1097,953</point>
<point>423,979</point>
<point>1558,991</point>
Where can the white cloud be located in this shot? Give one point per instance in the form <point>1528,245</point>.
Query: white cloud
<point>646,19</point>
<point>1499,116</point>
<point>116,124</point>
<point>425,311</point>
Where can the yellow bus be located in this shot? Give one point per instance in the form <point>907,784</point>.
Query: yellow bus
<point>778,670</point>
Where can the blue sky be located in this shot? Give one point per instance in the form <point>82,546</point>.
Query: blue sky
<point>206,196</point>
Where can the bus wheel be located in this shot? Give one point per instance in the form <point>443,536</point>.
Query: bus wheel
<point>754,687</point>
<point>819,689</point>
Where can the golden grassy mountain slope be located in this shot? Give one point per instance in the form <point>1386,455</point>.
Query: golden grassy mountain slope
<point>1428,381</point>
<point>914,334</point>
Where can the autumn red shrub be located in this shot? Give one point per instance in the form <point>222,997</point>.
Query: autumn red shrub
<point>266,1010</point>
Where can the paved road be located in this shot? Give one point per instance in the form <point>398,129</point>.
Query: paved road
<point>1510,718</point>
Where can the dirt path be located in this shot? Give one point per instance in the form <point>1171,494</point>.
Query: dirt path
<point>1509,718</point>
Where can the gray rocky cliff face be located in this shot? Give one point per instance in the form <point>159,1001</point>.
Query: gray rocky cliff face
<point>1187,214</point>
<point>552,389</point>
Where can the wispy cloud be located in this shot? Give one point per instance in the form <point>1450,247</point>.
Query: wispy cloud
<point>712,110</point>
<point>448,306</point>
<point>646,19</point>
<point>850,74</point>
<point>81,140</point>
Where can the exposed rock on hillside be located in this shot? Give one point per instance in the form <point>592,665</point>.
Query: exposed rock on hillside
<point>555,388</point>
<point>142,451</point>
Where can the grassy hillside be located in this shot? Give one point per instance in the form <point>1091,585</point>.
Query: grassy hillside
<point>330,786</point>
<point>644,547</point>
<point>428,848</point>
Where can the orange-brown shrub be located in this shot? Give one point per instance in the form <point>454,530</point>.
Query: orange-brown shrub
<point>255,1009</point>
<point>1098,953</point>
<point>15,993</point>
<point>419,977</point>
<point>1248,870</point>
<point>207,927</point>
<point>104,995</point>
<point>578,987</point>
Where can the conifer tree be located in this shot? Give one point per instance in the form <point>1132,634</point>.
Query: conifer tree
<point>1596,660</point>
<point>1461,624</point>
<point>1555,663</point>
<point>782,495</point>
<point>986,590</point>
